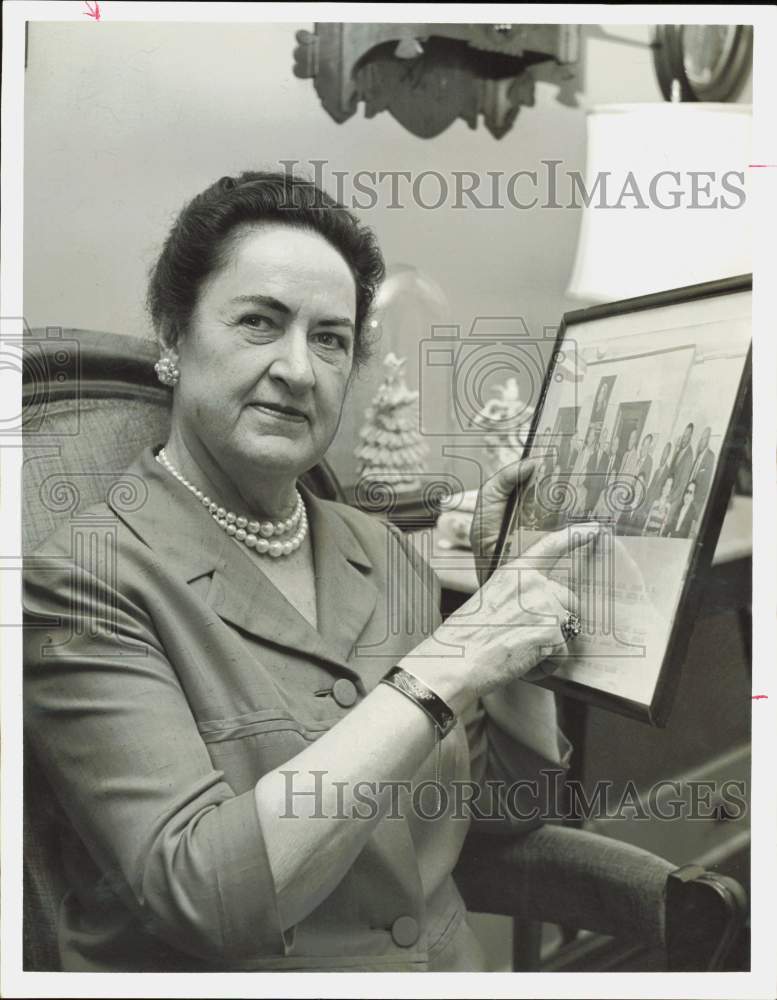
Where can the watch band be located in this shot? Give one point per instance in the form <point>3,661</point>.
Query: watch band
<point>441,714</point>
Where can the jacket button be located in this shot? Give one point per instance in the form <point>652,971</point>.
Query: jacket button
<point>404,931</point>
<point>344,692</point>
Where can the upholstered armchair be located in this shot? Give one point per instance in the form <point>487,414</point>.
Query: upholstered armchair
<point>91,404</point>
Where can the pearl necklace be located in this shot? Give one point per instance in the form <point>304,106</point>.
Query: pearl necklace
<point>253,534</point>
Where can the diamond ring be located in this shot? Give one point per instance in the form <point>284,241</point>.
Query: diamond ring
<point>571,626</point>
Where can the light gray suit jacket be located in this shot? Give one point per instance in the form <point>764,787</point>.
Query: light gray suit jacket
<point>164,674</point>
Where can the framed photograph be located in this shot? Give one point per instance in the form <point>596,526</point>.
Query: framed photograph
<point>638,428</point>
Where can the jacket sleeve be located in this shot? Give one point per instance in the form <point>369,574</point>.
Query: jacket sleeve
<point>111,727</point>
<point>519,758</point>
<point>515,742</point>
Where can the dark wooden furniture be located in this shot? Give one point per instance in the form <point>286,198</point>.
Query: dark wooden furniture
<point>427,75</point>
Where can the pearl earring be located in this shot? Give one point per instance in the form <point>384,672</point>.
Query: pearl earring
<point>167,368</point>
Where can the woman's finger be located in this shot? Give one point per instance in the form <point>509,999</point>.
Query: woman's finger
<point>548,666</point>
<point>557,544</point>
<point>531,585</point>
<point>509,478</point>
<point>552,655</point>
<point>567,598</point>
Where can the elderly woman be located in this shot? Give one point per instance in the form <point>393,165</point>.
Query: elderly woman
<point>235,717</point>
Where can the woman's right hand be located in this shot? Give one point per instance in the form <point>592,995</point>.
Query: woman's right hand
<point>509,626</point>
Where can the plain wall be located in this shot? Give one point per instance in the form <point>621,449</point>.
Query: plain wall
<point>126,121</point>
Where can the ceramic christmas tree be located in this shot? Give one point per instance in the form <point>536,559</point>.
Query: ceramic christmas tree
<point>392,449</point>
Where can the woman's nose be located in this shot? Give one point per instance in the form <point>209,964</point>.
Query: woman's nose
<point>292,363</point>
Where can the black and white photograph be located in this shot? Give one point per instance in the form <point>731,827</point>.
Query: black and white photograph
<point>677,384</point>
<point>388,417</point>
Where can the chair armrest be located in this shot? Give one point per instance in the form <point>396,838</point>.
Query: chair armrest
<point>705,917</point>
<point>560,875</point>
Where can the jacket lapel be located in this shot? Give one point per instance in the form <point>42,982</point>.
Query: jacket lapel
<point>189,540</point>
<point>345,593</point>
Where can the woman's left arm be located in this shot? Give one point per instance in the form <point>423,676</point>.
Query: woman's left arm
<point>513,732</point>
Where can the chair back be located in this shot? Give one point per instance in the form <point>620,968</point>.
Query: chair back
<point>91,403</point>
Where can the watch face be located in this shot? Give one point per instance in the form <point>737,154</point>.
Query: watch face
<point>707,49</point>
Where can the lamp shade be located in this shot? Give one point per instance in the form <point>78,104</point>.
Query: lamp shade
<point>666,186</point>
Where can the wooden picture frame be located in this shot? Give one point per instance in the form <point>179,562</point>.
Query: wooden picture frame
<point>719,310</point>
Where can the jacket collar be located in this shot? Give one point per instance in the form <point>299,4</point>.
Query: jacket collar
<point>189,543</point>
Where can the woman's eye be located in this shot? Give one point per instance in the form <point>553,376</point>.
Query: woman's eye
<point>255,322</point>
<point>328,339</point>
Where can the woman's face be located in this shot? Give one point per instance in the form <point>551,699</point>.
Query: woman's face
<point>266,361</point>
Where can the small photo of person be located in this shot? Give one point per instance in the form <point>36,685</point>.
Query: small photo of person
<point>645,461</point>
<point>682,464</point>
<point>657,481</point>
<point>595,475</point>
<point>603,393</point>
<point>631,521</point>
<point>581,471</point>
<point>682,523</point>
<point>658,515</point>
<point>630,460</point>
<point>652,487</point>
<point>703,467</point>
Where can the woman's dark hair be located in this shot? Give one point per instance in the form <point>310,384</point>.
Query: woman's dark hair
<point>203,236</point>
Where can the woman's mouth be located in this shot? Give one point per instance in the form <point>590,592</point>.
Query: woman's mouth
<point>278,412</point>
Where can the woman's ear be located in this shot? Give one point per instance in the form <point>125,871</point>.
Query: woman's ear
<point>166,367</point>
<point>167,338</point>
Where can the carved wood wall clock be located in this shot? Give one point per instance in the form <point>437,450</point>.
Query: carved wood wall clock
<point>428,75</point>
